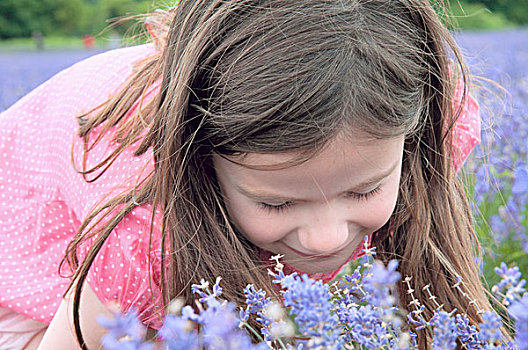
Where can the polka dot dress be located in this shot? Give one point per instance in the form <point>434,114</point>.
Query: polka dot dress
<point>467,127</point>
<point>43,200</point>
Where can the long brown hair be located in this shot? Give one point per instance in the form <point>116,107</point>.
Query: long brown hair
<point>242,76</point>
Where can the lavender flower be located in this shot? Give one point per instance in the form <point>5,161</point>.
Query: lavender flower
<point>445,334</point>
<point>500,163</point>
<point>21,72</point>
<point>375,324</point>
<point>219,320</point>
<point>256,300</point>
<point>511,285</point>
<point>220,328</point>
<point>309,302</point>
<point>324,319</point>
<point>467,333</point>
<point>379,284</point>
<point>178,333</point>
<point>124,332</point>
<point>364,326</point>
<point>519,311</point>
<point>490,328</point>
<point>520,183</point>
<point>269,314</point>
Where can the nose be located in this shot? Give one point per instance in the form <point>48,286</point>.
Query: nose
<point>325,232</point>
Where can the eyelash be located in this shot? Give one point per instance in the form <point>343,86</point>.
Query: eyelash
<point>278,208</point>
<point>364,196</point>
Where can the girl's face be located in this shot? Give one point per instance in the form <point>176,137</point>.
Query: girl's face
<point>317,212</point>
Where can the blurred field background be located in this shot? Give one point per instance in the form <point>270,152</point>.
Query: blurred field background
<point>38,38</point>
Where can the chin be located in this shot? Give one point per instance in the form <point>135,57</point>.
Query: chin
<point>316,265</point>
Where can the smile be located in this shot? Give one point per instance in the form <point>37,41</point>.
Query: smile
<point>315,255</point>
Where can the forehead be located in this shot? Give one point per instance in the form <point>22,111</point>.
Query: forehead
<point>344,162</point>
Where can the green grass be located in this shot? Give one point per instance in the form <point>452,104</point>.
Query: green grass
<point>66,43</point>
<point>50,43</point>
<point>494,252</point>
<point>478,17</point>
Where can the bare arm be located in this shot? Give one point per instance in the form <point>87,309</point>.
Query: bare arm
<point>61,333</point>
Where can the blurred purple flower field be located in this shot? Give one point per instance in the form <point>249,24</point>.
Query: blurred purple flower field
<point>500,163</point>
<point>21,72</point>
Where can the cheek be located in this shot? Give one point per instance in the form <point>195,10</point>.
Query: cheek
<point>376,212</point>
<point>375,215</point>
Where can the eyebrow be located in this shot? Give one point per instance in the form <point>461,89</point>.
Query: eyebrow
<point>272,197</point>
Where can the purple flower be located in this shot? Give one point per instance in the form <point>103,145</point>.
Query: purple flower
<point>328,320</point>
<point>352,282</point>
<point>511,285</point>
<point>374,324</point>
<point>499,227</point>
<point>257,302</point>
<point>467,333</point>
<point>179,333</point>
<point>520,182</point>
<point>125,331</point>
<point>500,162</point>
<point>309,301</point>
<point>519,311</point>
<point>445,330</point>
<point>220,328</point>
<point>482,185</point>
<point>510,275</point>
<point>364,326</point>
<point>219,319</point>
<point>490,328</point>
<point>380,282</point>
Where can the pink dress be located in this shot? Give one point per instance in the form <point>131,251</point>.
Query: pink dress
<point>43,200</point>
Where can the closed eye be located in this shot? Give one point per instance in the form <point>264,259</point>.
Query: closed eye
<point>274,207</point>
<point>363,196</point>
<point>277,208</point>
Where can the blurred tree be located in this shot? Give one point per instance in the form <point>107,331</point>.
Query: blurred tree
<point>67,14</point>
<point>19,18</point>
<point>13,21</point>
<point>101,13</point>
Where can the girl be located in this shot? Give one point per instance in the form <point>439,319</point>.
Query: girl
<point>248,128</point>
